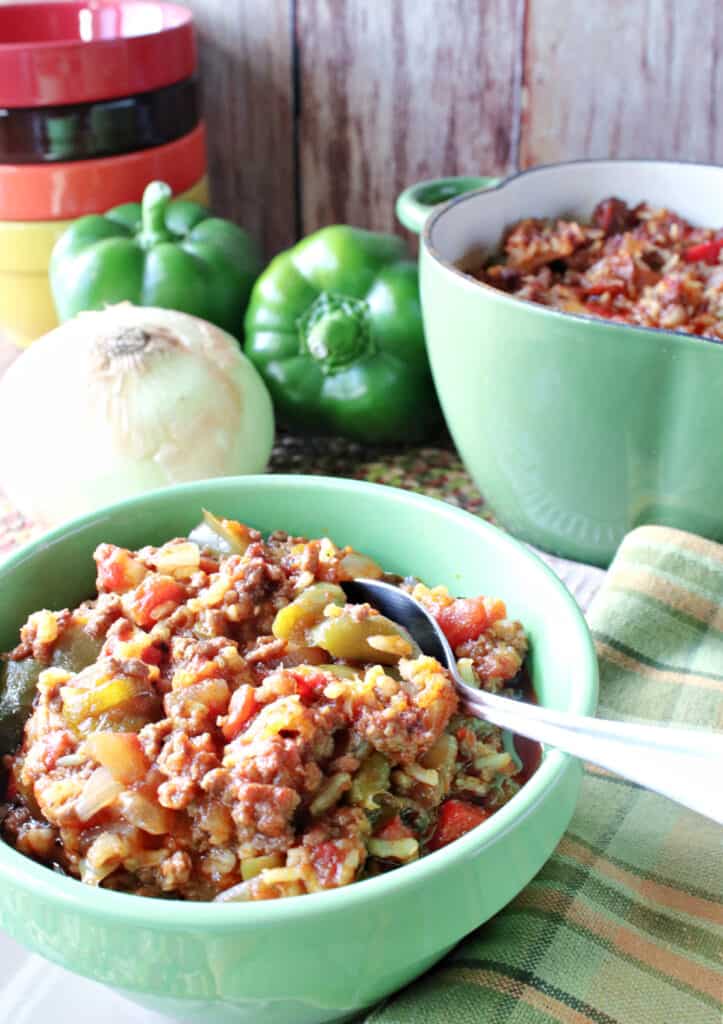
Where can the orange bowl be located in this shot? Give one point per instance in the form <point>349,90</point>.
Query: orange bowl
<point>72,189</point>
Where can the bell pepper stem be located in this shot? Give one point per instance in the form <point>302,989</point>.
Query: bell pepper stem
<point>335,331</point>
<point>153,214</point>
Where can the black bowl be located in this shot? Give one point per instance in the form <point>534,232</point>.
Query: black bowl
<point>35,135</point>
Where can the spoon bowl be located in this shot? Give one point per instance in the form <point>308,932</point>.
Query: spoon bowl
<point>685,765</point>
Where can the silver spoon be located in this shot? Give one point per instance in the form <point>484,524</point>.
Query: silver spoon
<point>682,764</point>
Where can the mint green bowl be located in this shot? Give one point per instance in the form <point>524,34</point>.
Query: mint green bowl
<point>320,957</point>
<point>575,429</point>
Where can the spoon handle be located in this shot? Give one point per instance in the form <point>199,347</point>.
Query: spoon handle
<point>682,764</point>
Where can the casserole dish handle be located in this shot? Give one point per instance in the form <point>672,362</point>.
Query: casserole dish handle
<point>415,203</point>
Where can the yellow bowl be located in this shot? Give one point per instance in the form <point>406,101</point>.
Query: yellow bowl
<point>26,304</point>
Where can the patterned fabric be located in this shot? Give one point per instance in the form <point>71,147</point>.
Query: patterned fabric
<point>435,471</point>
<point>624,924</point>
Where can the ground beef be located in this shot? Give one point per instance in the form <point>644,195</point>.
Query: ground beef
<point>262,813</point>
<point>277,761</point>
<point>497,654</point>
<point>40,634</point>
<point>404,721</point>
<point>185,760</point>
<point>205,753</point>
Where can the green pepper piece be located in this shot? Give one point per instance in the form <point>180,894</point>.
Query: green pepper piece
<point>159,252</point>
<point>340,671</point>
<point>371,779</point>
<point>414,816</point>
<point>18,680</point>
<point>334,325</point>
<point>74,651</point>
<point>305,611</point>
<point>347,638</point>
<point>106,702</point>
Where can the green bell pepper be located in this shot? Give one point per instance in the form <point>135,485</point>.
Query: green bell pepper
<point>334,325</point>
<point>160,252</point>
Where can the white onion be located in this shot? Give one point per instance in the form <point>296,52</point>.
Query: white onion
<point>120,402</point>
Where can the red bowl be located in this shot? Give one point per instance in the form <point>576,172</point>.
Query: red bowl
<point>72,189</point>
<point>78,52</point>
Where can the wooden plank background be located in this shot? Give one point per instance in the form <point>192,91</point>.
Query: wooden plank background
<point>246,57</point>
<point>322,111</point>
<point>623,79</point>
<point>405,91</point>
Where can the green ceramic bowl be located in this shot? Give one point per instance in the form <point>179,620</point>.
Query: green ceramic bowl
<point>576,430</point>
<point>320,957</point>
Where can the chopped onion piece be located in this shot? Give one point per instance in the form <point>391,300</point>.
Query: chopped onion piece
<point>427,776</point>
<point>276,876</point>
<point>395,849</point>
<point>236,894</point>
<point>146,814</point>
<point>330,792</point>
<point>231,536</point>
<point>100,790</point>
<point>396,645</point>
<point>354,565</point>
<point>252,866</point>
<point>179,559</point>
<point>46,626</point>
<point>467,672</point>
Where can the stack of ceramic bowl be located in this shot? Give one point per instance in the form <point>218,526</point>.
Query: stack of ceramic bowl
<point>96,100</point>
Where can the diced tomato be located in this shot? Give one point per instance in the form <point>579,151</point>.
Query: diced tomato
<point>600,287</point>
<point>466,617</point>
<point>456,817</point>
<point>153,593</point>
<point>395,829</point>
<point>121,753</point>
<point>118,569</point>
<point>327,859</point>
<point>705,252</point>
<point>310,685</point>
<point>601,309</point>
<point>241,708</point>
<point>152,655</point>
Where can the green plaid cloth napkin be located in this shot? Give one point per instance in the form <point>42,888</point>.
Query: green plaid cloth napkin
<point>624,924</point>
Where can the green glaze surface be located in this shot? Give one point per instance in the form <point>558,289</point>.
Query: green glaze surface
<point>415,203</point>
<point>320,957</point>
<point>575,430</point>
